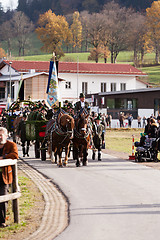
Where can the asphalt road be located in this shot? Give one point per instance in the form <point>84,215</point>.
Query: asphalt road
<point>109,200</point>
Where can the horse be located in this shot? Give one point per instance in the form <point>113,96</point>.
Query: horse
<point>81,139</point>
<point>59,133</point>
<point>16,130</point>
<point>97,141</point>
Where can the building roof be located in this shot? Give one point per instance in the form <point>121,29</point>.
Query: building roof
<point>72,67</point>
<point>141,90</point>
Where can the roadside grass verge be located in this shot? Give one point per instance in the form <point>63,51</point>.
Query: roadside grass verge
<point>30,202</point>
<point>120,140</point>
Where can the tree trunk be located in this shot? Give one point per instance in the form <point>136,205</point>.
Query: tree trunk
<point>157,56</point>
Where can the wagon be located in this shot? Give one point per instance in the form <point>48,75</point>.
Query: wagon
<point>35,131</point>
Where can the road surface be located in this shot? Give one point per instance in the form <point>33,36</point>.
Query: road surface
<point>109,200</point>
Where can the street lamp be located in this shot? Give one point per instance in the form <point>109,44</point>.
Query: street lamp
<point>10,63</point>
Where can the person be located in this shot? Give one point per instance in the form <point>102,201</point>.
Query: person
<point>109,120</point>
<point>139,121</point>
<point>22,131</point>
<point>8,150</point>
<point>152,133</point>
<point>144,122</point>
<point>148,126</point>
<point>82,104</point>
<point>130,119</point>
<point>121,119</point>
<point>100,129</point>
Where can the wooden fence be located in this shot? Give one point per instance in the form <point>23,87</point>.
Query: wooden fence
<point>15,188</point>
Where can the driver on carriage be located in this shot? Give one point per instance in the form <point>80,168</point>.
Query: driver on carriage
<point>82,104</point>
<point>98,136</point>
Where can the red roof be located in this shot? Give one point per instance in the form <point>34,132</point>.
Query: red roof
<point>72,67</point>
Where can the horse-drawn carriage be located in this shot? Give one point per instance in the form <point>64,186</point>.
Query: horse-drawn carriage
<point>61,133</point>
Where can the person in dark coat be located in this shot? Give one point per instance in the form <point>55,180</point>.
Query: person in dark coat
<point>148,126</point>
<point>82,104</point>
<point>98,135</point>
<point>153,129</point>
<point>22,133</point>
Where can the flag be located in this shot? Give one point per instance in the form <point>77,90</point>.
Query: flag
<point>52,87</point>
<point>20,84</point>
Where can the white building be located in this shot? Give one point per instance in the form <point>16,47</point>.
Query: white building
<point>89,78</point>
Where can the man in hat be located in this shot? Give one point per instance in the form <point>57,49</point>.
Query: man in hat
<point>98,135</point>
<point>82,104</point>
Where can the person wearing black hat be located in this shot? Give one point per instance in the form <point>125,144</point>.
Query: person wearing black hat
<point>82,103</point>
<point>98,136</point>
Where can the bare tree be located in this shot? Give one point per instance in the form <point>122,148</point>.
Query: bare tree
<point>7,29</point>
<point>117,28</point>
<point>95,25</point>
<point>22,27</point>
<point>137,37</point>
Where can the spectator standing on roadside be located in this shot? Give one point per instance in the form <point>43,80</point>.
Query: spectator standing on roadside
<point>139,121</point>
<point>109,120</point>
<point>130,119</point>
<point>8,150</point>
<point>144,122</point>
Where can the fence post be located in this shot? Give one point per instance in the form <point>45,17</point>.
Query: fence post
<point>15,189</point>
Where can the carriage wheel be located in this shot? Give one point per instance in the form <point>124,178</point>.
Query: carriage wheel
<point>37,151</point>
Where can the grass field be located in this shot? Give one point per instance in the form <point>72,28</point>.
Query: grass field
<point>120,140</point>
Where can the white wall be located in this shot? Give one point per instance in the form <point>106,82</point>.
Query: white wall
<point>145,112</point>
<point>94,83</point>
<point>6,70</point>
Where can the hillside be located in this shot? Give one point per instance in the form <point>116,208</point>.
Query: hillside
<point>64,7</point>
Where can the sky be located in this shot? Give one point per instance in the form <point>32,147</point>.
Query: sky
<point>12,4</point>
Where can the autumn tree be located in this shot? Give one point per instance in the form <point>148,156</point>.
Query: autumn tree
<point>53,31</point>
<point>22,27</point>
<point>2,53</point>
<point>153,25</point>
<point>76,29</point>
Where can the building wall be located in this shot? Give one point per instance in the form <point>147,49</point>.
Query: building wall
<point>36,87</point>
<point>94,83</point>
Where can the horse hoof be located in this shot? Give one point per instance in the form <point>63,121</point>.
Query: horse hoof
<point>64,164</point>
<point>77,164</point>
<point>60,166</point>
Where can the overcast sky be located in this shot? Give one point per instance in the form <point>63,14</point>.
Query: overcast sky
<point>12,4</point>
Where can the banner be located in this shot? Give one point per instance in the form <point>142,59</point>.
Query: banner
<point>52,87</point>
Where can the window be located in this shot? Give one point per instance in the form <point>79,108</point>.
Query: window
<point>68,85</point>
<point>123,86</point>
<point>122,103</point>
<point>103,87</point>
<point>2,93</point>
<point>85,87</point>
<point>113,87</point>
<point>111,103</point>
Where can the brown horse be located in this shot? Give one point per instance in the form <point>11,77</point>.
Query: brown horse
<point>60,132</point>
<point>81,139</point>
<point>16,130</point>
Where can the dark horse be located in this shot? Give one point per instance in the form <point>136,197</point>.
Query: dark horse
<point>81,139</point>
<point>59,133</point>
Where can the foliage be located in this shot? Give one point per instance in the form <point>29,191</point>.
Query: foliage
<point>52,31</point>
<point>153,25</point>
<point>2,53</point>
<point>76,29</point>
